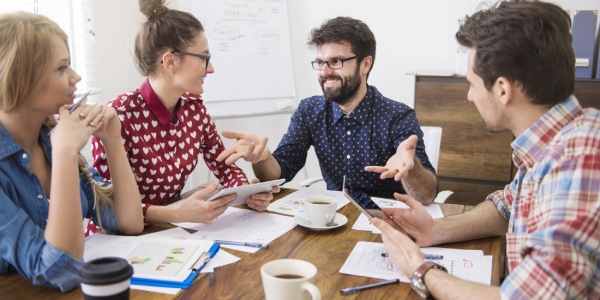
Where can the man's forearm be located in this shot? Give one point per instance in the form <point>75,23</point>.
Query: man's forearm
<point>421,184</point>
<point>445,286</point>
<point>482,221</point>
<point>267,169</point>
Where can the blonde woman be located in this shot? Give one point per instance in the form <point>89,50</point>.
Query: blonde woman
<point>46,189</point>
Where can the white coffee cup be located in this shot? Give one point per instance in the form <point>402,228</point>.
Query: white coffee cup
<point>319,210</point>
<point>290,279</point>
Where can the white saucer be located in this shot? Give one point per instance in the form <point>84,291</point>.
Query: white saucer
<point>339,219</point>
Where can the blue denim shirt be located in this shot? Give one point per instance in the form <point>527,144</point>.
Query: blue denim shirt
<point>346,144</point>
<point>24,214</point>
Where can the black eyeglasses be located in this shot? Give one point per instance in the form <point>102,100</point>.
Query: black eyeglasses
<point>334,63</point>
<point>202,56</point>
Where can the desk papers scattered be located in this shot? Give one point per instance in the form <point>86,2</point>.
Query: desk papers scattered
<point>362,223</point>
<point>366,260</point>
<point>243,225</point>
<point>292,203</point>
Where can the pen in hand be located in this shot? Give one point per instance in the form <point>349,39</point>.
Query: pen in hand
<point>427,256</point>
<point>356,289</point>
<point>79,101</point>
<point>255,245</point>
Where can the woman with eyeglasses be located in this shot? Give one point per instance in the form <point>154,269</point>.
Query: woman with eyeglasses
<point>165,125</point>
<point>46,187</point>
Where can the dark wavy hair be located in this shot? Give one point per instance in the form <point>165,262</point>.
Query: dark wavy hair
<point>528,42</point>
<point>345,29</point>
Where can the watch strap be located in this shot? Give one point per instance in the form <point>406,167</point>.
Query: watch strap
<point>420,273</point>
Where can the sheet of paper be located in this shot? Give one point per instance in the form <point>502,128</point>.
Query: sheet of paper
<point>176,233</point>
<point>486,264</point>
<point>243,225</point>
<point>292,203</point>
<point>221,259</point>
<point>362,223</point>
<point>366,260</point>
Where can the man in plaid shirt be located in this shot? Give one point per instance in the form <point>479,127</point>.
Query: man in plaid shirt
<point>521,75</point>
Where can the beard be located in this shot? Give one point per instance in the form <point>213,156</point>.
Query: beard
<point>343,94</point>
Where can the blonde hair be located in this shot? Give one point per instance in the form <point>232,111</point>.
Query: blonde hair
<point>25,52</point>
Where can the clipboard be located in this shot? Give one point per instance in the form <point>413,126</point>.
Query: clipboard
<point>180,284</point>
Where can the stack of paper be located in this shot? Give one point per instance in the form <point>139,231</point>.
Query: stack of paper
<point>366,260</point>
<point>242,225</point>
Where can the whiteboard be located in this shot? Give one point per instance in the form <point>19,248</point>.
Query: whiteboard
<point>249,42</point>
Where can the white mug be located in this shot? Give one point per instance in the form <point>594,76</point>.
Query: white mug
<point>319,210</point>
<point>290,279</point>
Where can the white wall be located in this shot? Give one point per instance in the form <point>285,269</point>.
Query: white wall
<point>411,36</point>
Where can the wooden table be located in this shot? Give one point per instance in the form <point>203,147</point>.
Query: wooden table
<point>327,250</point>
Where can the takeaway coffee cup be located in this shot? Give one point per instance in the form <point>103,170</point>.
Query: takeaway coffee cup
<point>106,278</point>
<point>319,210</point>
<point>290,279</point>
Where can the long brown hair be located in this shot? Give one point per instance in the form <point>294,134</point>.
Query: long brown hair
<point>165,29</point>
<point>25,52</point>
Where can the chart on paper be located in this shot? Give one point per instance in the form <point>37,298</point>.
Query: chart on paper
<point>366,260</point>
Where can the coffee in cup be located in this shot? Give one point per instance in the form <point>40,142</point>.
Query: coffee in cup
<point>290,279</point>
<point>106,278</point>
<point>319,210</point>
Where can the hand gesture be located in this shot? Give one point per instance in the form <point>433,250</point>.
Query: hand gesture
<point>196,209</point>
<point>247,146</point>
<point>414,220</point>
<point>260,202</point>
<point>400,164</point>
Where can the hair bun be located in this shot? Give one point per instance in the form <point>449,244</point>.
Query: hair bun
<point>161,10</point>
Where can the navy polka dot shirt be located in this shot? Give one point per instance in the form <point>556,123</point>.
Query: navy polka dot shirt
<point>345,144</point>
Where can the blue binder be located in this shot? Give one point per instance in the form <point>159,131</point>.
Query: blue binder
<point>177,284</point>
<point>584,40</point>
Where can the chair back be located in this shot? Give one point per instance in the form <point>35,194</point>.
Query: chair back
<point>432,136</point>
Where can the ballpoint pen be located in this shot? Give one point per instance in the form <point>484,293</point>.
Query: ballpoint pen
<point>81,98</point>
<point>212,277</point>
<point>356,289</point>
<point>255,245</point>
<point>427,256</point>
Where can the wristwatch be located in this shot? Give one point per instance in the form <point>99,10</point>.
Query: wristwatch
<point>416,279</point>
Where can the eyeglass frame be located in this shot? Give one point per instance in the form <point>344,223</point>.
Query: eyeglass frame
<point>326,62</point>
<point>202,56</point>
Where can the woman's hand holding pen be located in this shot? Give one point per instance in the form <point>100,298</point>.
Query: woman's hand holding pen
<point>247,146</point>
<point>74,131</point>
